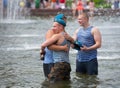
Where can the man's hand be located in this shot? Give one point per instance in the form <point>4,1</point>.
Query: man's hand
<point>66,36</point>
<point>66,48</point>
<point>84,48</point>
<point>42,52</point>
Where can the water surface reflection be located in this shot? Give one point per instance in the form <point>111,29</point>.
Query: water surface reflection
<point>20,66</point>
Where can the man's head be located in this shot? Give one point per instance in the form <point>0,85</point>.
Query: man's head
<point>61,19</point>
<point>83,19</point>
<point>59,23</point>
<point>57,28</point>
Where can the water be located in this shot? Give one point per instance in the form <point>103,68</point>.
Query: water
<point>13,10</point>
<point>20,66</point>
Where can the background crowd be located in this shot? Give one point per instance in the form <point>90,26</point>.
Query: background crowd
<point>53,4</point>
<point>75,5</point>
<point>63,4</point>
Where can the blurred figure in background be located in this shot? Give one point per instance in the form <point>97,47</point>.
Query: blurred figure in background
<point>28,7</point>
<point>5,3</point>
<point>42,5</point>
<point>22,7</point>
<point>74,8</point>
<point>32,4</point>
<point>47,4</point>
<point>116,4</point>
<point>57,4</point>
<point>79,7</point>
<point>53,4</point>
<point>62,4</point>
<point>119,4</point>
<point>91,7</point>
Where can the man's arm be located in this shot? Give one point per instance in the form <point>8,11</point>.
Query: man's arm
<point>55,47</point>
<point>58,47</point>
<point>48,35</point>
<point>97,37</point>
<point>74,44</point>
<point>75,34</point>
<point>69,38</point>
<point>49,41</point>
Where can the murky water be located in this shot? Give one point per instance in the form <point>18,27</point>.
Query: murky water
<point>20,66</point>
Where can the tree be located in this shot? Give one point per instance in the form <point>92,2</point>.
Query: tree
<point>99,3</point>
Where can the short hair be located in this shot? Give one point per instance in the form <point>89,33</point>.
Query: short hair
<point>85,14</point>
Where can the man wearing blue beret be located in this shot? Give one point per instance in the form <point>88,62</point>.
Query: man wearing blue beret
<point>61,69</point>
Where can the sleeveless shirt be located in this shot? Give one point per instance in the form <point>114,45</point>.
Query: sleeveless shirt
<point>48,56</point>
<point>61,56</point>
<point>87,39</point>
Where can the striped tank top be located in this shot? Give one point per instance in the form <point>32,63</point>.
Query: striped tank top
<point>61,56</point>
<point>48,56</point>
<point>86,38</point>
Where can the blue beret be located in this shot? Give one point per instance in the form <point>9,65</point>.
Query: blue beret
<point>59,16</point>
<point>60,21</point>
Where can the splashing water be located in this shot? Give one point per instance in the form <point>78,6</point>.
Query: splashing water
<point>12,9</point>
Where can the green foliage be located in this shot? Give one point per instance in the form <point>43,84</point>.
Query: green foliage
<point>101,4</point>
<point>97,2</point>
<point>106,5</point>
<point>68,3</point>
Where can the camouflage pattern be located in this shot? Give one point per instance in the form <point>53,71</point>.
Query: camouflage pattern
<point>60,71</point>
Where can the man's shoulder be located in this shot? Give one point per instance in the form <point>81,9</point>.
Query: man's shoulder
<point>78,29</point>
<point>94,28</point>
<point>50,31</point>
<point>59,35</point>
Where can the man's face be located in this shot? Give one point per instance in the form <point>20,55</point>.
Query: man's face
<point>56,27</point>
<point>82,20</point>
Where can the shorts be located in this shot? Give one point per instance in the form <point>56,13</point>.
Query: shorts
<point>47,68</point>
<point>60,71</point>
<point>90,67</point>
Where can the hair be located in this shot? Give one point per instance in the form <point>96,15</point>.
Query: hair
<point>85,14</point>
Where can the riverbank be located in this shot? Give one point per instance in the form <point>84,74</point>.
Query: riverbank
<point>68,12</point>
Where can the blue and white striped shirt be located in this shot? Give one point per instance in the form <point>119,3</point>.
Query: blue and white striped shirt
<point>86,38</point>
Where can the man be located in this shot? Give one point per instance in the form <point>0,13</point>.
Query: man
<point>90,38</point>
<point>5,5</point>
<point>61,69</point>
<point>79,7</point>
<point>62,4</point>
<point>48,58</point>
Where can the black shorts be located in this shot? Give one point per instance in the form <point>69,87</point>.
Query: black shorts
<point>47,68</point>
<point>90,67</point>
